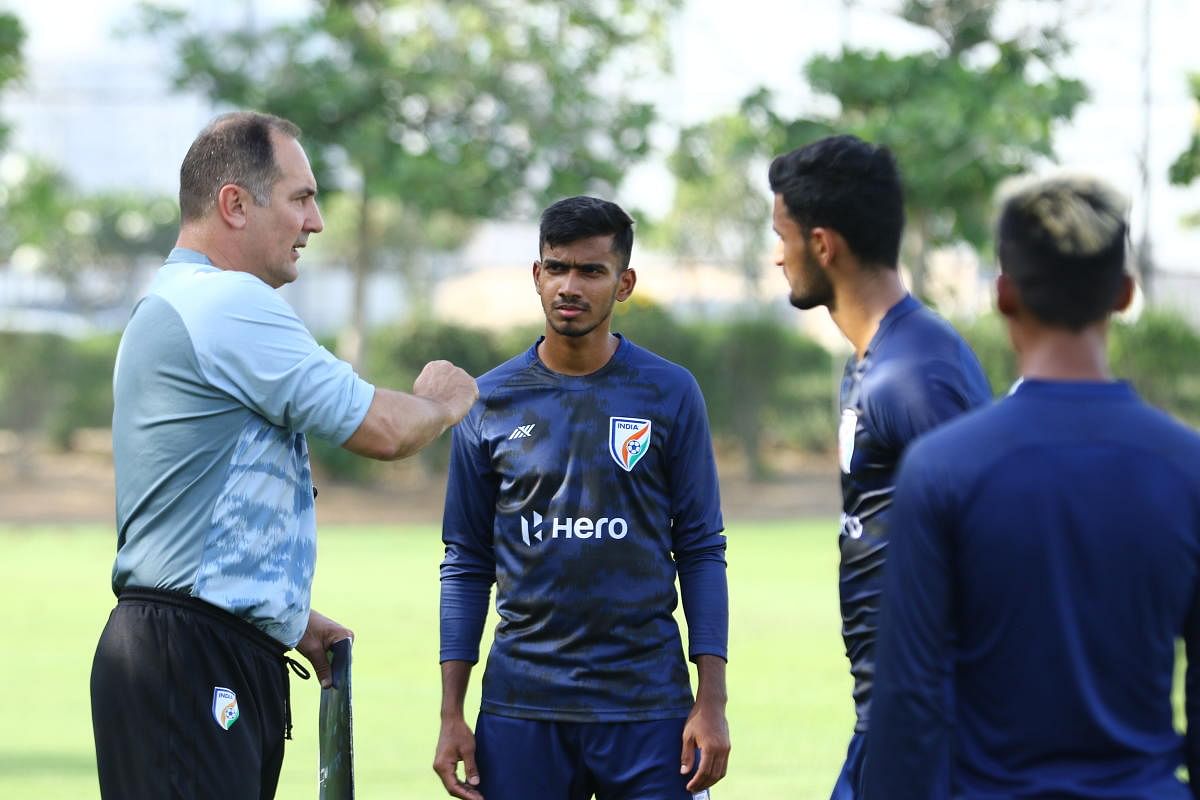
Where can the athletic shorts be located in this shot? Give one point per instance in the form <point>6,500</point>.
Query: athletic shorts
<point>188,702</point>
<point>849,783</point>
<point>521,759</point>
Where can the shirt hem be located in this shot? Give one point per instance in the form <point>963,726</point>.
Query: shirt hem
<point>568,715</point>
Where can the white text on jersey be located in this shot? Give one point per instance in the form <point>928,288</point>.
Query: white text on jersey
<point>574,528</point>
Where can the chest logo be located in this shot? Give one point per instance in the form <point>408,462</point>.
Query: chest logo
<point>628,440</point>
<point>846,430</point>
<point>522,431</point>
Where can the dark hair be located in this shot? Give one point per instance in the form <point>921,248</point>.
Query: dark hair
<point>844,183</point>
<point>1062,242</point>
<point>582,217</point>
<point>235,148</point>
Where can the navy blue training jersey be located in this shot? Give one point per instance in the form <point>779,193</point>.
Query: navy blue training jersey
<point>583,498</point>
<point>916,373</point>
<point>1046,558</point>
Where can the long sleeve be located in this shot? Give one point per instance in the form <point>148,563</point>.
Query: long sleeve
<point>1191,699</point>
<point>908,748</point>
<point>469,566</point>
<point>698,543</point>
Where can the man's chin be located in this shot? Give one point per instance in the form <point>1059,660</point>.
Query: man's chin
<point>807,302</point>
<point>570,330</point>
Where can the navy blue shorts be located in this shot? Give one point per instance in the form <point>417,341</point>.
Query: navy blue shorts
<point>519,759</point>
<point>849,783</point>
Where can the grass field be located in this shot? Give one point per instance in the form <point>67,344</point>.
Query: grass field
<point>789,711</point>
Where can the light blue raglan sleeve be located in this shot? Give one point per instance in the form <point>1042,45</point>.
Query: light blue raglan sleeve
<point>252,345</point>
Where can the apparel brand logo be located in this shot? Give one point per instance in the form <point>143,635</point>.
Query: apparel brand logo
<point>628,440</point>
<point>225,707</point>
<point>523,431</point>
<point>572,528</point>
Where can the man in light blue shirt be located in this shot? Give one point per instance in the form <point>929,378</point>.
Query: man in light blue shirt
<point>216,385</point>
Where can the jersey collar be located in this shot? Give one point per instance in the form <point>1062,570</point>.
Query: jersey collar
<point>905,306</point>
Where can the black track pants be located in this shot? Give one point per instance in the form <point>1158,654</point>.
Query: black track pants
<point>188,702</point>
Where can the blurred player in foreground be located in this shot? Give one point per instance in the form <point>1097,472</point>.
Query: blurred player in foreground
<point>839,215</point>
<point>583,483</point>
<point>216,384</point>
<point>1047,553</point>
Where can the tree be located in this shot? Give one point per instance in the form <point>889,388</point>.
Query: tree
<point>1186,168</point>
<point>12,36</point>
<point>464,109</point>
<point>93,244</point>
<point>960,117</point>
<point>720,209</point>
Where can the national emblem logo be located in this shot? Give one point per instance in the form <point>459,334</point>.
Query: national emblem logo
<point>628,440</point>
<point>225,707</point>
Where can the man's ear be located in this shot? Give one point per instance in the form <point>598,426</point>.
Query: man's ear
<point>537,277</point>
<point>1125,295</point>
<point>625,283</point>
<point>825,245</point>
<point>1008,299</point>
<point>231,205</point>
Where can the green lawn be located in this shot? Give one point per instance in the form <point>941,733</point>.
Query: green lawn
<point>790,710</point>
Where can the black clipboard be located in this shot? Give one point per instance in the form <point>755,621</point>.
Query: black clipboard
<point>335,775</point>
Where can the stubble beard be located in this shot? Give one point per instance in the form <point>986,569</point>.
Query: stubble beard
<point>820,292</point>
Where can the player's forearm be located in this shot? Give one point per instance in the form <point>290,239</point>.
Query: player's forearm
<point>710,681</point>
<point>463,613</point>
<point>455,677</point>
<point>704,589</point>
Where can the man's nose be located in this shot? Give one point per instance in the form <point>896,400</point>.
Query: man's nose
<point>570,284</point>
<point>314,223</point>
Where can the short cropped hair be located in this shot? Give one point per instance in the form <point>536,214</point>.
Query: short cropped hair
<point>235,148</point>
<point>582,217</point>
<point>1062,240</point>
<point>851,186</point>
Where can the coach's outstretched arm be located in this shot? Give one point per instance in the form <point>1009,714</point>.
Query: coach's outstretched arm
<point>398,425</point>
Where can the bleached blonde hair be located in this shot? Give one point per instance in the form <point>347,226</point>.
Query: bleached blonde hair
<point>1078,214</point>
<point>1062,239</point>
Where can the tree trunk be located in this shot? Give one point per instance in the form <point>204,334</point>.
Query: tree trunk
<point>917,250</point>
<point>352,342</point>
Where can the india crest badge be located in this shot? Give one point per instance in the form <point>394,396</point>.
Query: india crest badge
<point>225,707</point>
<point>628,440</point>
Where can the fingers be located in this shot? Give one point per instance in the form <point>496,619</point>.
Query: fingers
<point>713,763</point>
<point>448,385</point>
<point>447,769</point>
<point>688,756</point>
<point>469,767</point>
<point>700,779</point>
<point>321,669</point>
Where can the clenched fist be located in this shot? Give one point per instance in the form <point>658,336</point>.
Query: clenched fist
<point>452,387</point>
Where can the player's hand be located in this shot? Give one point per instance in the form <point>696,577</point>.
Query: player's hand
<point>318,637</point>
<point>707,730</point>
<point>448,385</point>
<point>457,743</point>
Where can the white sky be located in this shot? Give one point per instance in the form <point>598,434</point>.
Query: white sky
<point>96,104</point>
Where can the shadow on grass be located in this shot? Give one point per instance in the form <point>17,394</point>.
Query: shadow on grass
<point>24,765</point>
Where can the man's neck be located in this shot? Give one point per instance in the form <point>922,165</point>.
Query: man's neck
<point>197,239</point>
<point>1058,354</point>
<point>577,355</point>
<point>861,304</point>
